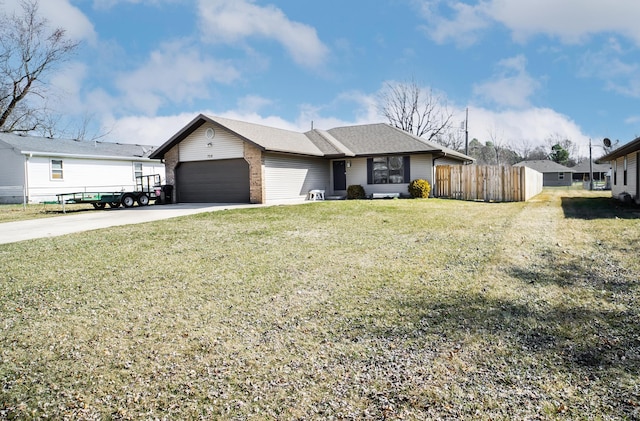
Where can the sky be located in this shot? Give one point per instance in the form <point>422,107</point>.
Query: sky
<point>526,70</point>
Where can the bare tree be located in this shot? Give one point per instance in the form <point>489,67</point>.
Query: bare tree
<point>414,110</point>
<point>538,153</point>
<point>498,143</point>
<point>29,49</point>
<point>452,139</point>
<point>53,125</point>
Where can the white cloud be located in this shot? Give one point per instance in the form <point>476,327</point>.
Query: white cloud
<point>464,27</point>
<point>145,130</point>
<point>66,87</point>
<point>175,73</point>
<point>609,65</point>
<point>253,103</point>
<point>572,21</point>
<point>106,4</point>
<point>512,86</point>
<point>531,126</point>
<point>232,21</point>
<point>59,14</point>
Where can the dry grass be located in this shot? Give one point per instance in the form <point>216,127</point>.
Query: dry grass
<point>11,213</point>
<point>360,310</point>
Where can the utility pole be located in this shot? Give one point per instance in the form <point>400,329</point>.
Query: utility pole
<point>590,167</point>
<point>466,133</point>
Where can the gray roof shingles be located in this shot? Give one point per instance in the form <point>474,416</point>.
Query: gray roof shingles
<point>584,167</point>
<point>379,139</point>
<point>71,147</point>
<point>362,140</point>
<point>544,166</point>
<point>271,138</point>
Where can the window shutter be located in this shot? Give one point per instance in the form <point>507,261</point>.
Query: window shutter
<point>407,169</point>
<point>369,170</point>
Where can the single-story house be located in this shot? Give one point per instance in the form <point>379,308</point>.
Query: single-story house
<point>601,174</point>
<point>553,174</point>
<point>36,169</point>
<point>581,171</point>
<point>214,159</point>
<point>625,174</point>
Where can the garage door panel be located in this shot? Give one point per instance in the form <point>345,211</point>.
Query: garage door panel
<point>224,181</point>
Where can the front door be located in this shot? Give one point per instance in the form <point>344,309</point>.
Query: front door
<point>339,175</point>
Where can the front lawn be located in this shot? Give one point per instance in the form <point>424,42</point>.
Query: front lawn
<point>381,309</point>
<point>12,213</point>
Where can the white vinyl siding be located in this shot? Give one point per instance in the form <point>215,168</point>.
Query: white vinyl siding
<point>224,145</point>
<point>12,175</point>
<point>422,167</point>
<point>288,178</point>
<point>83,175</point>
<point>617,176</point>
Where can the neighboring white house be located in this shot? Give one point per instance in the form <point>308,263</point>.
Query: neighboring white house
<point>214,159</point>
<point>36,169</point>
<point>625,171</point>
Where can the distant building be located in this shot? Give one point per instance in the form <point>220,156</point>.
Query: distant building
<point>554,174</point>
<point>581,171</point>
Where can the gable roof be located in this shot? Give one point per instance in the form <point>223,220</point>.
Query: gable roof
<point>381,138</point>
<point>263,137</point>
<point>584,167</point>
<point>73,148</point>
<point>544,166</point>
<point>623,150</point>
<point>350,141</point>
<point>269,138</point>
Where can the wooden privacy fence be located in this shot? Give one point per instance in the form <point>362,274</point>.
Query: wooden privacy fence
<point>489,183</point>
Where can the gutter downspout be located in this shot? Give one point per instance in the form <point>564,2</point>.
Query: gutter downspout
<point>25,187</point>
<point>433,169</point>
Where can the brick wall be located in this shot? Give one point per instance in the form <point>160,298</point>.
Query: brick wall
<point>253,156</point>
<point>171,160</point>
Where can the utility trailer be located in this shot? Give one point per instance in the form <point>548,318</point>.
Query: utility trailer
<point>148,188</point>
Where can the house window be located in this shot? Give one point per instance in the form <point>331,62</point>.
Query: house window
<point>615,173</point>
<point>137,170</point>
<point>624,171</point>
<point>56,169</point>
<point>388,170</point>
<point>560,176</point>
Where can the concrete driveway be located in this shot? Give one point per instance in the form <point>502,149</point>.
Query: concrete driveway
<point>11,232</point>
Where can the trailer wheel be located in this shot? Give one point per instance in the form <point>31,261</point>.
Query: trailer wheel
<point>143,200</point>
<point>99,205</point>
<point>128,200</point>
<point>114,205</point>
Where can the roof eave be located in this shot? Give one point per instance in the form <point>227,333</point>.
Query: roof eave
<point>290,152</point>
<point>632,146</point>
<point>84,156</point>
<point>180,136</point>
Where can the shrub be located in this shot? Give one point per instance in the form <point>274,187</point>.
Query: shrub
<point>419,188</point>
<point>355,191</point>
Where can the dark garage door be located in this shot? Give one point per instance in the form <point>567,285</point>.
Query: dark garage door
<point>224,181</point>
